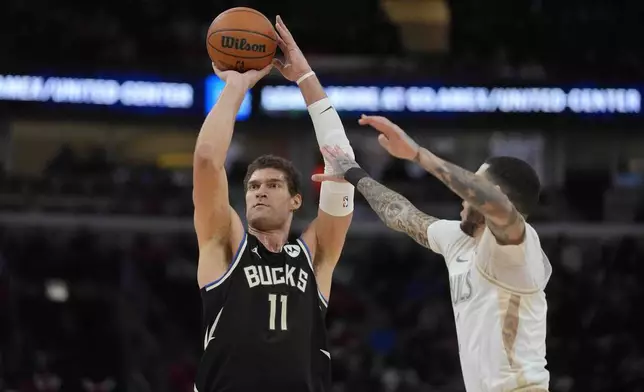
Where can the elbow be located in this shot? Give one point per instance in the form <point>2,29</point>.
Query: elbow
<point>205,156</point>
<point>503,213</point>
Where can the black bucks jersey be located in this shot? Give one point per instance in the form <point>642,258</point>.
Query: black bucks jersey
<point>264,324</point>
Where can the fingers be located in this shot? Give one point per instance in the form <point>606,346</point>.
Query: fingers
<point>384,142</point>
<point>281,65</point>
<point>282,45</point>
<point>217,71</point>
<point>283,31</point>
<point>277,63</point>
<point>252,77</point>
<point>333,152</point>
<point>381,124</point>
<point>339,152</point>
<point>265,71</point>
<point>326,177</point>
<point>328,152</point>
<point>370,120</point>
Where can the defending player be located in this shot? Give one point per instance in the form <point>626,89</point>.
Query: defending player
<point>496,266</point>
<point>265,292</point>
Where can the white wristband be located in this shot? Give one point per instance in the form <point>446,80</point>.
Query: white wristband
<point>336,198</point>
<point>306,75</point>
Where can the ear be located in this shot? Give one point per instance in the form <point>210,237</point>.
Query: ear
<point>296,202</point>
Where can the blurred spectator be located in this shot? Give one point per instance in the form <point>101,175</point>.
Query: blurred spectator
<point>390,323</point>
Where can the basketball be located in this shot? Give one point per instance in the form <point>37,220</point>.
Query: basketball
<point>241,39</point>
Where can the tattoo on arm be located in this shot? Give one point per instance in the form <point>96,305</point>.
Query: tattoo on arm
<point>476,190</point>
<point>396,211</point>
<point>502,217</point>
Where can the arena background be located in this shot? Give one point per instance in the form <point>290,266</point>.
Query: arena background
<point>100,104</point>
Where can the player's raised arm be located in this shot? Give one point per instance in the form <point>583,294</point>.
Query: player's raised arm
<point>327,233</point>
<point>501,216</point>
<point>213,217</point>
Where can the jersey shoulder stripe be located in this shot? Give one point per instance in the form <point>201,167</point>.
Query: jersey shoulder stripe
<point>238,255</point>
<point>307,253</point>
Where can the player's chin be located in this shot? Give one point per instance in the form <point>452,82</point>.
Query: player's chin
<point>468,227</point>
<point>262,221</point>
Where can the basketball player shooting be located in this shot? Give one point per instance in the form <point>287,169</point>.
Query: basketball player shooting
<point>265,292</point>
<point>496,266</point>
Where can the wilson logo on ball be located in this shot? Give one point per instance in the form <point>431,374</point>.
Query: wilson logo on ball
<point>241,44</point>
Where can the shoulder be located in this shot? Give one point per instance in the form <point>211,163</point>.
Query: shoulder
<point>523,266</point>
<point>309,240</point>
<point>443,235</point>
<point>217,263</point>
<point>527,250</point>
<point>445,225</point>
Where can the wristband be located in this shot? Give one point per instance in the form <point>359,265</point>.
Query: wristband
<point>306,75</point>
<point>354,175</point>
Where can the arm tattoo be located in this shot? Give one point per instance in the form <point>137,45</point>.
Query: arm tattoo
<point>476,190</point>
<point>479,192</point>
<point>396,211</point>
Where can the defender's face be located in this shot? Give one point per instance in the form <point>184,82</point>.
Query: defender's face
<point>471,219</point>
<point>268,202</point>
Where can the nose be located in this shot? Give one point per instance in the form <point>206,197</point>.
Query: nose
<point>261,192</point>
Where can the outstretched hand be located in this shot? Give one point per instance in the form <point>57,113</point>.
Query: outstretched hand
<point>247,79</point>
<point>294,65</point>
<point>340,161</point>
<point>392,138</point>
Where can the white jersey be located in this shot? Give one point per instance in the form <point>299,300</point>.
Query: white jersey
<point>499,307</point>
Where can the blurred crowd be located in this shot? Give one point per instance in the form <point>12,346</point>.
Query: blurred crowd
<point>92,183</point>
<point>501,38</point>
<point>166,36</point>
<point>119,311</point>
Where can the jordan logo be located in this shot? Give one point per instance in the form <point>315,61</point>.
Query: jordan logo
<point>292,250</point>
<point>254,250</point>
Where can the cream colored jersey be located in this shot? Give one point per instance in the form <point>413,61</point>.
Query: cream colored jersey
<point>499,307</point>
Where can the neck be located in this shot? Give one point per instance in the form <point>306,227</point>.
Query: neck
<point>273,240</point>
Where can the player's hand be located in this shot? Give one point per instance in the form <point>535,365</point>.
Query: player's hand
<point>392,138</point>
<point>340,161</point>
<point>294,65</point>
<point>246,80</point>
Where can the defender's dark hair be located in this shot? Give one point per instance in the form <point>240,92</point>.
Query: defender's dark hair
<point>293,177</point>
<point>518,180</point>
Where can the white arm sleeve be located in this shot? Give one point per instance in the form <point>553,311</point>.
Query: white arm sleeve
<point>335,198</point>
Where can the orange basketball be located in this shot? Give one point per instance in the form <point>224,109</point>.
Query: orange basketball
<point>241,38</point>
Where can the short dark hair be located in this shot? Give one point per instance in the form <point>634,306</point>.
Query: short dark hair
<point>293,176</point>
<point>518,180</point>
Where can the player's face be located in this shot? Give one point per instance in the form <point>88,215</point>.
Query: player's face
<point>269,204</point>
<point>471,219</point>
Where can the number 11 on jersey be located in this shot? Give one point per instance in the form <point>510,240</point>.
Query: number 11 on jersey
<point>272,318</point>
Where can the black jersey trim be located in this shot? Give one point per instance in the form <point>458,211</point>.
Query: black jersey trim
<point>307,253</point>
<point>231,266</point>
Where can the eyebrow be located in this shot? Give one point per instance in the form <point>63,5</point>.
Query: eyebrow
<point>270,180</point>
